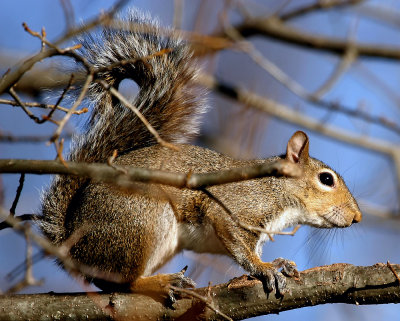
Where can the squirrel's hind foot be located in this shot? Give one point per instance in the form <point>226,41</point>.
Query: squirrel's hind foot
<point>159,285</point>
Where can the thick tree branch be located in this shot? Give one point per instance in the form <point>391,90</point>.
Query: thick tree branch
<point>241,298</point>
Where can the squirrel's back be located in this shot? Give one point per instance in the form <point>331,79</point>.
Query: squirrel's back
<point>162,66</point>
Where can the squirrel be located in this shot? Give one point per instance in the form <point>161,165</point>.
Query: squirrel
<point>134,233</point>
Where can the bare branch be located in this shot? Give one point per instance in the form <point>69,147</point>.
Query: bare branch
<point>287,114</point>
<point>29,279</point>
<point>9,138</point>
<point>337,283</point>
<point>127,104</point>
<point>348,59</point>
<point>78,101</point>
<point>17,194</point>
<point>107,174</point>
<point>275,28</point>
<point>317,6</point>
<point>50,114</point>
<point>40,105</point>
<point>19,101</point>
<point>103,18</point>
<point>313,98</point>
<point>68,13</point>
<point>21,218</point>
<point>14,75</point>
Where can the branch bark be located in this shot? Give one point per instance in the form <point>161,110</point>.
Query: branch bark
<point>125,175</point>
<point>241,298</point>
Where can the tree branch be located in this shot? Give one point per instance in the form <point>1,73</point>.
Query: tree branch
<point>318,6</point>
<point>274,28</point>
<point>125,175</point>
<point>337,283</point>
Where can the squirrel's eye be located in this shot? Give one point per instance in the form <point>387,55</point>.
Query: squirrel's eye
<point>327,179</point>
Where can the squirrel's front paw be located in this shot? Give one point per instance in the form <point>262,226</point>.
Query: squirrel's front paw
<point>273,275</point>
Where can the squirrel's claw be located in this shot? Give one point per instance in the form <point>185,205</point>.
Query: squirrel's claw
<point>275,280</point>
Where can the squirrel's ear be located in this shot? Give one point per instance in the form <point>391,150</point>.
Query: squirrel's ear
<point>297,148</point>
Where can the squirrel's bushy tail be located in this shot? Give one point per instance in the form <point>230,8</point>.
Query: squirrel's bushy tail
<point>161,65</point>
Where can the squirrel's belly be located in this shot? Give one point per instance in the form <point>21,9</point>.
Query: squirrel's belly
<point>200,238</point>
<point>167,241</point>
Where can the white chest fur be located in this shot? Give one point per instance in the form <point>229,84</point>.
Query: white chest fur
<point>287,218</point>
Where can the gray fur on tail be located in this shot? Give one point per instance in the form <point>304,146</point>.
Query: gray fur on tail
<point>167,98</point>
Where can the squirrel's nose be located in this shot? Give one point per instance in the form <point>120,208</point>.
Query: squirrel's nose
<point>357,217</point>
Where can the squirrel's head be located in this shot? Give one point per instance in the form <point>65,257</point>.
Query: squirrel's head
<point>323,193</point>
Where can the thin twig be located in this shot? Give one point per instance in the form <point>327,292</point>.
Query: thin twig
<point>127,104</point>
<point>59,145</point>
<point>110,162</point>
<point>19,101</point>
<point>40,105</point>
<point>53,109</point>
<point>69,14</point>
<point>350,56</point>
<point>50,114</point>
<point>12,77</point>
<point>64,249</point>
<point>21,218</point>
<point>382,14</point>
<point>17,194</point>
<point>389,265</point>
<point>8,138</point>
<point>102,18</point>
<point>348,59</point>
<point>68,51</point>
<point>78,101</point>
<point>29,279</point>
